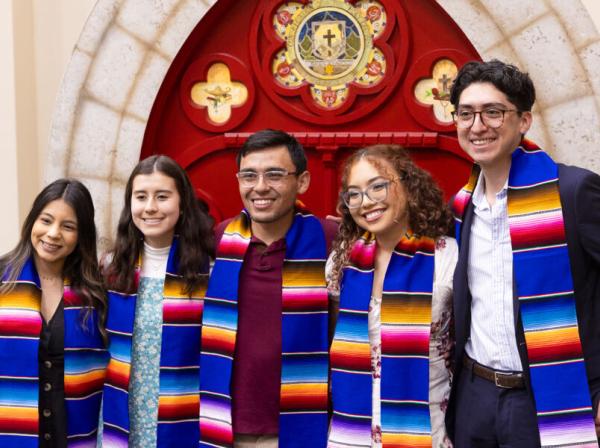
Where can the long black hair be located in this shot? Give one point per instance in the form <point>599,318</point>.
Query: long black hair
<point>193,227</point>
<point>81,265</point>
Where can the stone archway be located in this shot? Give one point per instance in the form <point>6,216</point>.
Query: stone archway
<point>127,46</point>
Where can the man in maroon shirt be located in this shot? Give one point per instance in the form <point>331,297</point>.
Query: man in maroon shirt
<point>272,173</point>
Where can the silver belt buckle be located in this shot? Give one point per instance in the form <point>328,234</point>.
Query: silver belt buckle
<point>497,376</point>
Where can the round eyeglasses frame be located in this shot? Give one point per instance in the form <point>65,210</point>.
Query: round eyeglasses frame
<point>368,192</point>
<point>486,120</point>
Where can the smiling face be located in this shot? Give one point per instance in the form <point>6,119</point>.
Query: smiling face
<point>54,234</point>
<point>272,205</point>
<point>155,207</point>
<point>386,219</point>
<point>491,148</point>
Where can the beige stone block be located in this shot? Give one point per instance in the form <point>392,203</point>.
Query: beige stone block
<point>115,67</point>
<point>145,18</point>
<point>95,27</point>
<point>547,54</point>
<point>590,58</point>
<point>575,131</point>
<point>181,24</point>
<point>511,15</point>
<point>129,145</point>
<point>146,88</point>
<point>475,21</point>
<point>504,52</point>
<point>63,117</point>
<point>94,141</point>
<point>576,20</point>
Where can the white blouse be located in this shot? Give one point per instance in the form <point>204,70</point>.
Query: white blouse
<point>445,258</point>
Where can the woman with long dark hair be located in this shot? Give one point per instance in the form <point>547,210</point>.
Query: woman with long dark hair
<point>156,276</point>
<point>52,313</point>
<point>392,268</point>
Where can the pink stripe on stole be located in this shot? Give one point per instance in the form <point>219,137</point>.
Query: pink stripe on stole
<point>543,229</point>
<point>20,322</point>
<point>409,339</point>
<point>363,254</point>
<point>296,299</point>
<point>232,245</point>
<point>174,309</point>
<point>215,430</point>
<point>460,202</point>
<point>70,298</point>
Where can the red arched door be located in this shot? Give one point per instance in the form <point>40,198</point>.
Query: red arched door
<point>337,74</point>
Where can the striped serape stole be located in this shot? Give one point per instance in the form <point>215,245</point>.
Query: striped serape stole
<point>85,363</point>
<point>405,330</point>
<point>303,399</point>
<point>178,401</point>
<point>546,298</point>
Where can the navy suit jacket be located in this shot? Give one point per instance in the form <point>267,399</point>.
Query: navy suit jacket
<point>579,191</point>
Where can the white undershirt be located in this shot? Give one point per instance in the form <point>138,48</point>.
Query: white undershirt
<point>154,261</point>
<point>493,341</point>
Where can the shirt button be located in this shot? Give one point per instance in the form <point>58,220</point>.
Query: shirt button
<point>46,412</point>
<point>47,436</point>
<point>47,364</point>
<point>47,387</point>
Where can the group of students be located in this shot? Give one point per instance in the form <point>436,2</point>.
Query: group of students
<point>377,329</point>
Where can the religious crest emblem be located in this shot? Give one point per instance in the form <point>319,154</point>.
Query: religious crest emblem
<point>329,46</point>
<point>436,90</point>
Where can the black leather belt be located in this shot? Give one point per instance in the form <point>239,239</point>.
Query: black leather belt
<point>500,379</point>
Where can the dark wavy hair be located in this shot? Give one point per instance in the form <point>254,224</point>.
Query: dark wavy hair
<point>81,266</point>
<point>428,214</point>
<point>193,227</point>
<point>271,138</point>
<point>515,84</point>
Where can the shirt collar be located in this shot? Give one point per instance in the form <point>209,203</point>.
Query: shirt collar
<point>479,199</point>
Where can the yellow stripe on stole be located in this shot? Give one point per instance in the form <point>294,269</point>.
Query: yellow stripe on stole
<point>551,337</point>
<point>84,378</point>
<point>19,413</point>
<point>407,310</point>
<point>239,226</point>
<point>304,389</point>
<point>23,296</point>
<point>406,440</point>
<point>172,400</point>
<point>300,274</point>
<point>351,348</point>
<point>539,199</point>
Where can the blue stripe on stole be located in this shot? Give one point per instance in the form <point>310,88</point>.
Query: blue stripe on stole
<point>180,435</point>
<point>84,360</point>
<point>346,385</point>
<point>304,335</point>
<point>87,414</point>
<point>219,314</point>
<point>120,347</point>
<point>349,325</point>
<point>410,418</point>
<point>361,281</point>
<point>567,377</point>
<point>533,168</point>
<point>411,273</point>
<point>299,247</point>
<point>75,335</point>
<point>18,365</point>
<point>214,376</point>
<point>305,369</point>
<point>552,312</point>
<point>29,273</point>
<point>292,439</point>
<point>224,270</point>
<point>180,346</point>
<point>410,380</point>
<point>179,382</point>
<point>118,408</point>
<point>556,263</point>
<point>19,392</point>
<point>121,309</point>
<point>11,441</point>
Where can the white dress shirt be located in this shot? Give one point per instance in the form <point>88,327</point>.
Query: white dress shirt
<point>493,341</point>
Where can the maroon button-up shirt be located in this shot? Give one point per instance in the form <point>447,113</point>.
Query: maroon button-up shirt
<point>256,376</point>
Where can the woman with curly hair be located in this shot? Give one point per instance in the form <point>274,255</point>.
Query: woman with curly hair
<point>391,268</point>
<point>52,311</point>
<point>156,277</point>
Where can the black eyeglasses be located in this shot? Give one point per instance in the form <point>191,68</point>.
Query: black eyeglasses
<point>492,117</point>
<point>273,178</point>
<point>376,192</point>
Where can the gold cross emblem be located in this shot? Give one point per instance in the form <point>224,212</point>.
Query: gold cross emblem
<point>436,90</point>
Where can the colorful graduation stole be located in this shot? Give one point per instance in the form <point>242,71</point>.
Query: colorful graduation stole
<point>303,404</point>
<point>178,402</point>
<point>85,365</point>
<point>405,331</point>
<point>546,297</point>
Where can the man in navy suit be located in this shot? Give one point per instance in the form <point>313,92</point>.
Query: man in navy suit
<point>498,398</point>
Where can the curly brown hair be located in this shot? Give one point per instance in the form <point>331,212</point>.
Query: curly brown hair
<point>428,214</point>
